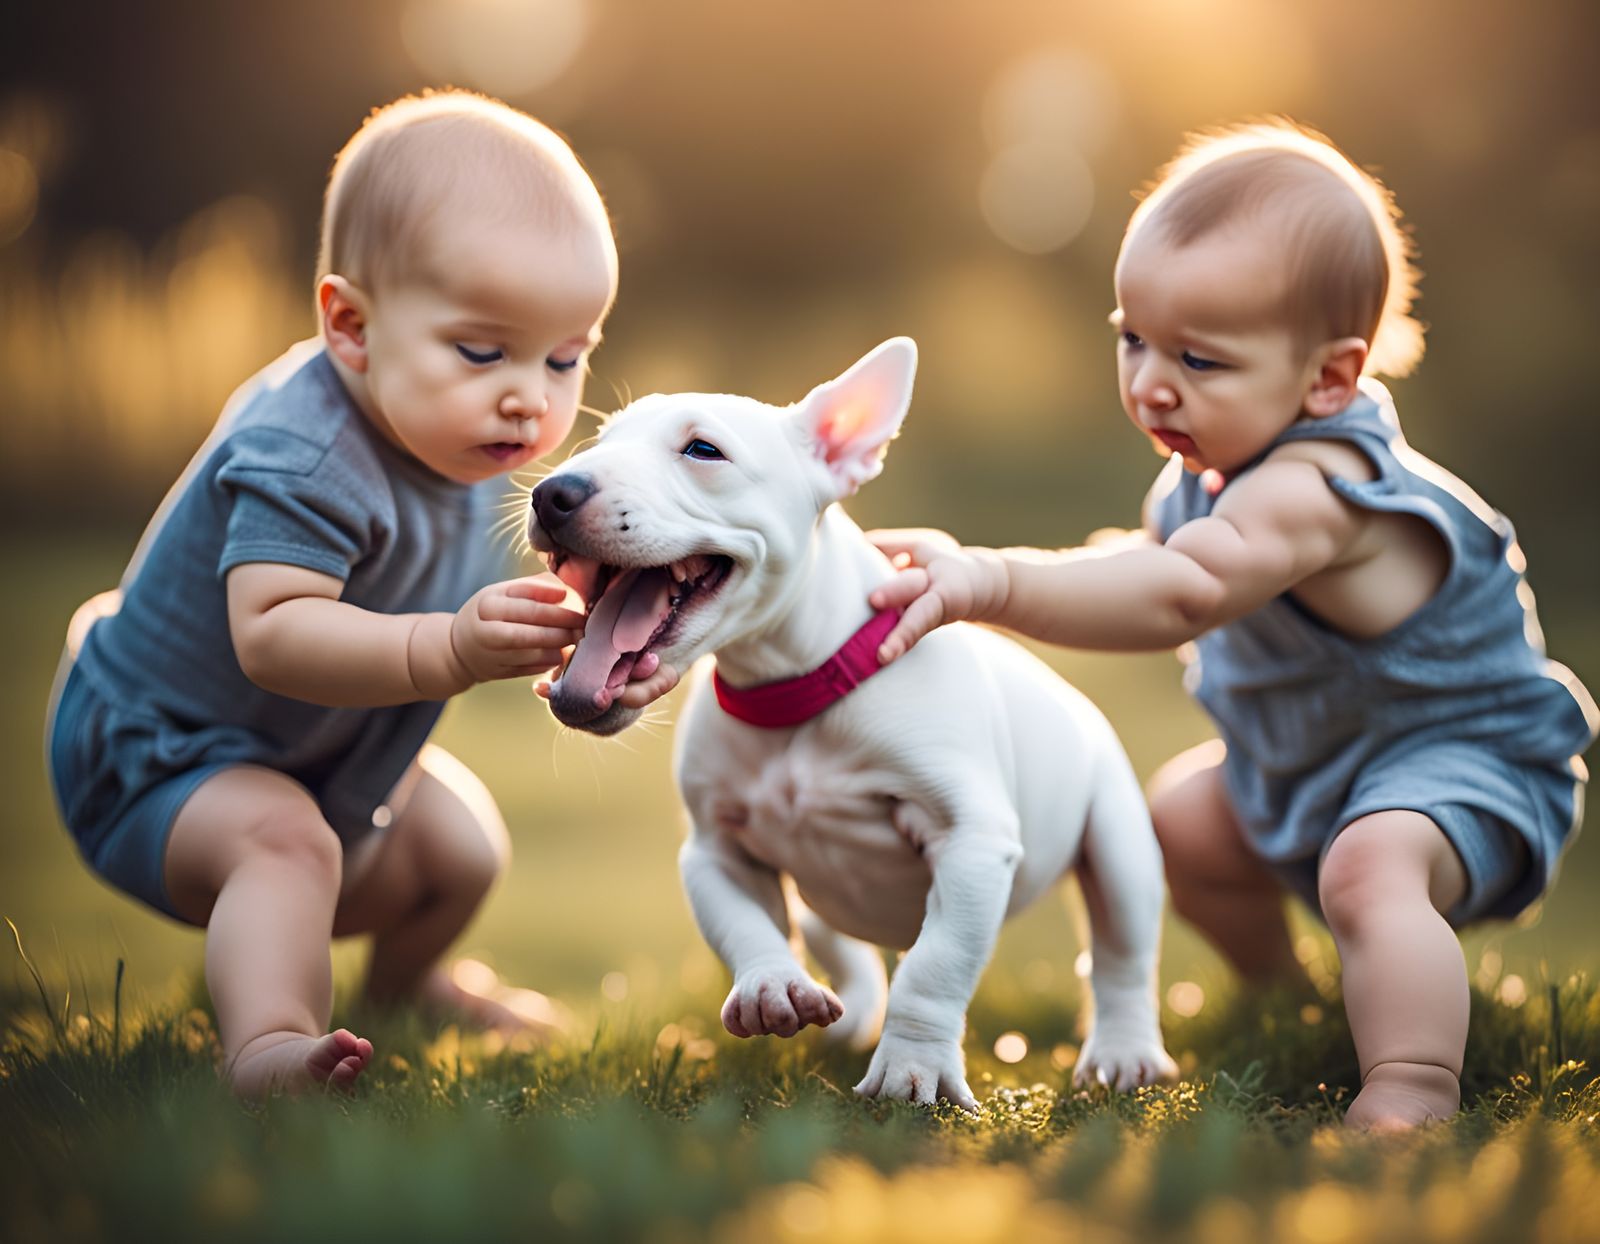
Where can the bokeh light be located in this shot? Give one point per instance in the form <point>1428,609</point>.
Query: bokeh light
<point>1011,1047</point>
<point>474,976</point>
<point>503,47</point>
<point>19,194</point>
<point>1037,195</point>
<point>1058,93</point>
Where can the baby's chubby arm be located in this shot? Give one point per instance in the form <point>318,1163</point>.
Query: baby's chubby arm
<point>294,636</point>
<point>1271,529</point>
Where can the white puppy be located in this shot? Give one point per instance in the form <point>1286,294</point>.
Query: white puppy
<point>917,808</point>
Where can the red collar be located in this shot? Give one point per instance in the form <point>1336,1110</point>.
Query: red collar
<point>792,701</point>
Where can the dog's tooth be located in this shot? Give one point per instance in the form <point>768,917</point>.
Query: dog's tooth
<point>678,572</point>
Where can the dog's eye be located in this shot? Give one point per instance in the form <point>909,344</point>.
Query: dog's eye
<point>703,451</point>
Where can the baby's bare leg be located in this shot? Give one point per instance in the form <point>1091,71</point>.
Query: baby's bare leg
<point>251,859</point>
<point>418,886</point>
<point>1217,883</point>
<point>1383,884</point>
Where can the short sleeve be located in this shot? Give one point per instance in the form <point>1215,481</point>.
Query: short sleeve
<point>297,503</point>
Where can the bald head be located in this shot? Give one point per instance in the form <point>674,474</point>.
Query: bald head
<point>1331,230</point>
<point>443,161</point>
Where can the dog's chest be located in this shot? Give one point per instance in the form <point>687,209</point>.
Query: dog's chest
<point>840,829</point>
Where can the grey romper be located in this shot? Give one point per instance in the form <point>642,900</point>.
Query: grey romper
<point>154,701</point>
<point>1455,713</point>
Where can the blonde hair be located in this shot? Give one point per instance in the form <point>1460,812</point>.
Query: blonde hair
<point>1350,265</point>
<point>423,153</point>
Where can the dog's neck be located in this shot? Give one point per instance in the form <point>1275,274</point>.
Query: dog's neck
<point>824,607</point>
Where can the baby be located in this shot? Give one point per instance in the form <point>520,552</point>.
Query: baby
<point>238,737</point>
<point>1394,747</point>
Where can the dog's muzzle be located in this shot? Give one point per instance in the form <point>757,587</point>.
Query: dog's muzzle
<point>632,609</point>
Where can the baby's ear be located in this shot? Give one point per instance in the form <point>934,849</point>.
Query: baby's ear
<point>343,311</point>
<point>848,422</point>
<point>1336,381</point>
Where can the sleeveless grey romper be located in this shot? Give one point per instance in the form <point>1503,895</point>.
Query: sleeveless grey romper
<point>1455,713</point>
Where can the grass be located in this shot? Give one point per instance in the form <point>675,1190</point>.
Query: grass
<point>655,1126</point>
<point>658,1128</point>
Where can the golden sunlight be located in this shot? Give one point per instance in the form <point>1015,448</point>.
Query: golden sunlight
<point>19,194</point>
<point>135,353</point>
<point>1044,114</point>
<point>614,986</point>
<point>1185,998</point>
<point>504,47</point>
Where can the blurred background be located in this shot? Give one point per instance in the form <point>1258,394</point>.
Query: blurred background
<point>790,184</point>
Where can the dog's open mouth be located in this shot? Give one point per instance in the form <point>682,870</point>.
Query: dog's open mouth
<point>632,611</point>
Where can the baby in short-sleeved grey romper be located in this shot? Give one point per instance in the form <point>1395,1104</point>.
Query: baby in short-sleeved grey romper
<point>155,701</point>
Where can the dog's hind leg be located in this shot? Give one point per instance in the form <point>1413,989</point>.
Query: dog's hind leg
<point>856,972</point>
<point>1120,873</point>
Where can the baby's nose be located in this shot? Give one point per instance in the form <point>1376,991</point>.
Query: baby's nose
<point>1153,391</point>
<point>1161,397</point>
<point>524,405</point>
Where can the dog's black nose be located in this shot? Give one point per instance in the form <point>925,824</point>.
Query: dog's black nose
<point>560,497</point>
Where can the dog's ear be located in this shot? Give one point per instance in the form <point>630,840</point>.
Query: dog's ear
<point>850,421</point>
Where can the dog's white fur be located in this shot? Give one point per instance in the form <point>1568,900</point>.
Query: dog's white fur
<point>944,794</point>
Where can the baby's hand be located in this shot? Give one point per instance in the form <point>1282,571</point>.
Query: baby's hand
<point>514,629</point>
<point>939,582</point>
<point>647,683</point>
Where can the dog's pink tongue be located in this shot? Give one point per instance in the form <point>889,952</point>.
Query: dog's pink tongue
<point>579,573</point>
<point>623,620</point>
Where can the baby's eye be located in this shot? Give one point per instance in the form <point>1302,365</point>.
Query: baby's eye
<point>1195,363</point>
<point>1129,339</point>
<point>561,364</point>
<point>479,358</point>
<point>703,451</point>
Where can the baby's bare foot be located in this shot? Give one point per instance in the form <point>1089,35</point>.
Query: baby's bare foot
<point>473,993</point>
<point>1397,1097</point>
<point>291,1062</point>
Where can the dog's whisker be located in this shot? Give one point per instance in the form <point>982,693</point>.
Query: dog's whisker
<point>618,741</point>
<point>513,542</point>
<point>564,733</point>
<point>654,718</point>
<point>509,516</point>
<point>509,532</point>
<point>507,521</point>
<point>651,724</point>
<point>528,480</point>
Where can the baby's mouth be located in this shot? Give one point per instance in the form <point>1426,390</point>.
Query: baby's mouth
<point>1176,442</point>
<point>632,611</point>
<point>504,451</point>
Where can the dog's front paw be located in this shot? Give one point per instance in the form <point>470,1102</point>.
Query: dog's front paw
<point>1123,1060</point>
<point>919,1070</point>
<point>778,1002</point>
